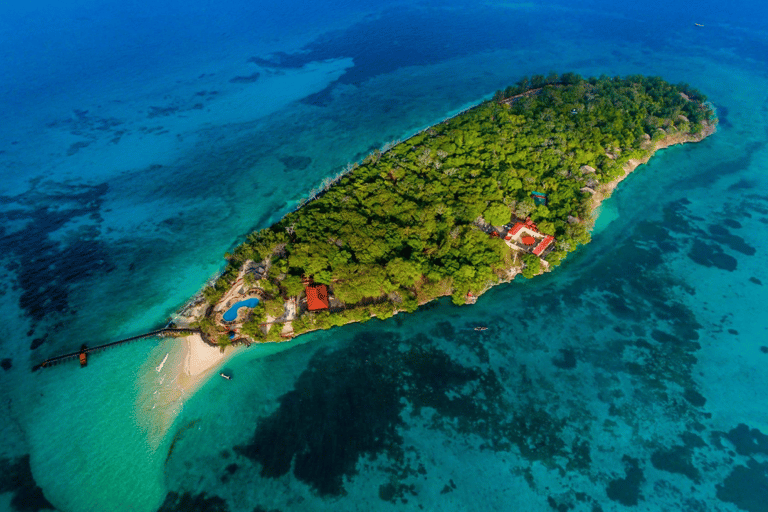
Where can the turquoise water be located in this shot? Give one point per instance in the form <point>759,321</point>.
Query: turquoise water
<point>140,143</point>
<point>231,313</point>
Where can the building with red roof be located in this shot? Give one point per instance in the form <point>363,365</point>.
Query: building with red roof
<point>543,245</point>
<point>317,297</point>
<point>515,230</point>
<point>525,236</point>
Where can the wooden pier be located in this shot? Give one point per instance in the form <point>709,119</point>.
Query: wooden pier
<point>82,354</point>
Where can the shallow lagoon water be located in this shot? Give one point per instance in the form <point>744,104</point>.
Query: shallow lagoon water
<point>630,378</point>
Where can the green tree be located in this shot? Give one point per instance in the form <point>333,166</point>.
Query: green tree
<point>274,307</point>
<point>292,285</point>
<point>497,214</point>
<point>404,273</point>
<point>532,265</point>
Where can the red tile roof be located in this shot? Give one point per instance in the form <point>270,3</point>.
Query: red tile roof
<point>317,297</point>
<point>543,245</point>
<point>531,225</point>
<point>528,240</point>
<point>515,229</point>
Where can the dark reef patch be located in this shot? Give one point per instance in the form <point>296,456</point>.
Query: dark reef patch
<point>161,112</point>
<point>188,502</point>
<point>248,79</point>
<point>678,219</point>
<point>746,441</point>
<point>627,490</point>
<point>736,243</point>
<point>229,471</point>
<point>37,342</point>
<point>636,275</point>
<point>711,255</point>
<point>566,360</point>
<point>46,269</point>
<point>694,398</point>
<point>394,492</point>
<point>295,162</point>
<point>335,414</point>
<point>16,477</point>
<point>7,363</point>
<point>755,280</point>
<point>580,457</point>
<point>348,404</point>
<point>77,146</point>
<point>662,337</point>
<point>82,121</point>
<point>676,459</point>
<point>746,487</point>
<point>743,184</point>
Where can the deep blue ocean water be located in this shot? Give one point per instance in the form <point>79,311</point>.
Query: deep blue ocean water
<point>138,143</point>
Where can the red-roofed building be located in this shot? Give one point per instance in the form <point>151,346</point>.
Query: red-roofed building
<point>528,240</point>
<point>317,297</point>
<point>515,229</point>
<point>543,245</point>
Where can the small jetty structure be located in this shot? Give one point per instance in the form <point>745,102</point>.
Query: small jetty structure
<point>82,354</point>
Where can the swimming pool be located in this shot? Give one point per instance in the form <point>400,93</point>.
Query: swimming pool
<point>231,313</point>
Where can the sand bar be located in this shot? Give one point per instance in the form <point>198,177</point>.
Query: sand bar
<point>172,373</point>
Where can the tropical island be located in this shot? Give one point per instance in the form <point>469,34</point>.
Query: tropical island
<point>504,188</point>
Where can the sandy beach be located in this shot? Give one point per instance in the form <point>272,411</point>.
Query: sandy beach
<point>173,372</point>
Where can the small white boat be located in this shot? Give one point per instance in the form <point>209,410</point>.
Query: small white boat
<point>228,377</point>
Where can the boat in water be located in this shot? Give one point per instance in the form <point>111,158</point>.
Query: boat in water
<point>480,328</point>
<point>228,377</point>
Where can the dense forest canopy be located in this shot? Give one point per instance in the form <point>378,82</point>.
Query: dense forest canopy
<point>402,227</point>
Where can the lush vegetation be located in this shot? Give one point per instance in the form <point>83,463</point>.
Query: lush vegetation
<point>403,226</point>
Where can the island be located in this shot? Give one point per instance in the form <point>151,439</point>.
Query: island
<point>506,187</point>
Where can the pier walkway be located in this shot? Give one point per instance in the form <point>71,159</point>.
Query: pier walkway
<point>167,332</point>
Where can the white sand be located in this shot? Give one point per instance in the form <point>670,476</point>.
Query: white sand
<point>173,372</point>
<point>201,357</point>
